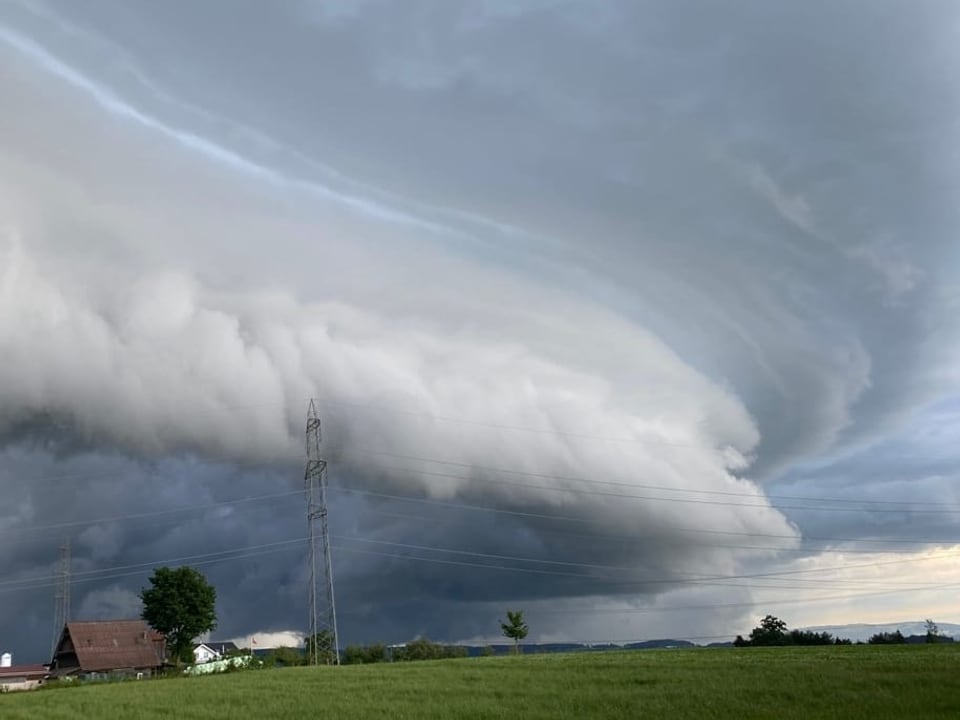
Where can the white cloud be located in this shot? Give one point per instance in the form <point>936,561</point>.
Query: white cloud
<point>899,275</point>
<point>165,365</point>
<point>269,640</point>
<point>790,206</point>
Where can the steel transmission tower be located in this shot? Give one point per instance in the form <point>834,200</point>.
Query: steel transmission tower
<point>323,644</point>
<point>61,609</point>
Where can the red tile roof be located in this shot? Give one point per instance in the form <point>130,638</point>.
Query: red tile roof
<point>23,671</point>
<point>114,645</point>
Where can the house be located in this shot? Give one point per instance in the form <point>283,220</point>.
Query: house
<point>108,649</point>
<point>209,651</point>
<point>21,677</point>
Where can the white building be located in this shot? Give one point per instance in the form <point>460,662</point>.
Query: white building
<point>20,677</point>
<point>210,651</point>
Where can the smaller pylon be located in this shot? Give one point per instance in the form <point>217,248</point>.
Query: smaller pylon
<point>61,611</point>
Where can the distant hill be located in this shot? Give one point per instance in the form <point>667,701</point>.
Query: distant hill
<point>652,644</point>
<point>914,632</point>
<point>539,648</point>
<point>533,648</point>
<point>863,632</point>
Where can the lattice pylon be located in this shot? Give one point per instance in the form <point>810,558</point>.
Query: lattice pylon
<point>321,604</point>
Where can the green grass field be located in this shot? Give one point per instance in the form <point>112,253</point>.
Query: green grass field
<point>917,681</point>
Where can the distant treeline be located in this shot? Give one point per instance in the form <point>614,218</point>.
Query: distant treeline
<point>897,638</point>
<point>421,649</point>
<point>773,631</point>
<point>794,637</point>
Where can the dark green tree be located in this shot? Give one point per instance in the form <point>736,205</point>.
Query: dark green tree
<point>284,657</point>
<point>419,649</point>
<point>354,655</point>
<point>887,638</point>
<point>181,604</point>
<point>359,655</point>
<point>376,653</point>
<point>515,628</point>
<point>319,649</point>
<point>422,649</point>
<point>808,637</point>
<point>933,632</point>
<point>771,631</point>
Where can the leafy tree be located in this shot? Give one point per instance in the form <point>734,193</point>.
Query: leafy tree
<point>933,632</point>
<point>771,631</point>
<point>808,637</point>
<point>284,657</point>
<point>181,604</point>
<point>454,651</point>
<point>886,638</point>
<point>419,649</point>
<point>515,628</point>
<point>359,655</point>
<point>354,655</point>
<point>375,653</point>
<point>319,649</point>
<point>423,649</point>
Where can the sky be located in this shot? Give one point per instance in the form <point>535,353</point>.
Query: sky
<point>641,317</point>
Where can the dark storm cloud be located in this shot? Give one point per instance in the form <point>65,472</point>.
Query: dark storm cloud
<point>667,245</point>
<point>903,488</point>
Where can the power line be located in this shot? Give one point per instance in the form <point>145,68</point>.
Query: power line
<point>149,514</point>
<point>238,515</point>
<point>636,539</point>
<point>567,518</point>
<point>44,581</point>
<point>548,431</point>
<point>687,576</point>
<point>201,559</point>
<point>463,506</point>
<point>695,501</point>
<point>118,473</point>
<point>677,578</point>
<point>733,533</point>
<point>666,488</point>
<point>901,508</point>
<point>443,561</point>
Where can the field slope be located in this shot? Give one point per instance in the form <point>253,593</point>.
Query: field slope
<point>832,682</point>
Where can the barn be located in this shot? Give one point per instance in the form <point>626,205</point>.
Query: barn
<point>100,650</point>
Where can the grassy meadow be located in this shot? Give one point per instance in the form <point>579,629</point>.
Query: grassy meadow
<point>870,682</point>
